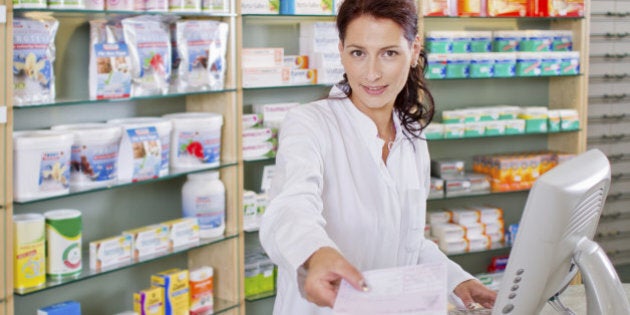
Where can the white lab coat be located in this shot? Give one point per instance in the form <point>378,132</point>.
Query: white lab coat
<point>331,188</point>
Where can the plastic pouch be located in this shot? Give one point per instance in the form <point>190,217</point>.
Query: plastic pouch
<point>33,57</point>
<point>149,43</point>
<point>110,62</point>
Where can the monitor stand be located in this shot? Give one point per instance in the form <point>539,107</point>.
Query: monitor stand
<point>604,293</point>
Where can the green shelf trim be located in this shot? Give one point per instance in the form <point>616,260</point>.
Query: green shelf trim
<point>511,135</point>
<point>171,175</point>
<point>73,102</point>
<point>86,273</point>
<point>261,296</point>
<point>129,12</point>
<point>509,78</point>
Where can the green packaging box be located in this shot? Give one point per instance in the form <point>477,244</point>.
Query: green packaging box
<point>457,66</point>
<point>514,126</point>
<point>570,63</point>
<point>528,64</point>
<point>550,64</point>
<point>481,65</point>
<point>454,131</point>
<point>504,65</point>
<point>436,66</point>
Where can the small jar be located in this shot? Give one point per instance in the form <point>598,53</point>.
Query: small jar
<point>203,197</point>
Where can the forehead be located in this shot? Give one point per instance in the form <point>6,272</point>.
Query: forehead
<point>367,28</point>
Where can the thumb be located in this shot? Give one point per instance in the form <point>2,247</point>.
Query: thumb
<point>353,276</point>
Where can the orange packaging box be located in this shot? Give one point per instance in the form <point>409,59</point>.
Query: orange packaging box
<point>508,7</point>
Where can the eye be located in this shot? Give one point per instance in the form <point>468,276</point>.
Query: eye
<point>356,53</point>
<point>390,53</point>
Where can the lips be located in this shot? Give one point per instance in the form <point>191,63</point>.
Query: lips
<point>374,90</point>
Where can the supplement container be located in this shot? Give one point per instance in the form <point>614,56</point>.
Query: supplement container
<point>29,258</point>
<point>138,137</point>
<point>195,140</point>
<point>41,164</point>
<point>203,197</point>
<point>63,243</point>
<point>201,284</point>
<point>94,159</point>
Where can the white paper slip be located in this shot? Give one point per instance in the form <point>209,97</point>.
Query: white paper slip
<point>417,290</point>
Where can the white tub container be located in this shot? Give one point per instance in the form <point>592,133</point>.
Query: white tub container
<point>131,126</point>
<point>41,161</point>
<point>195,140</point>
<point>94,158</point>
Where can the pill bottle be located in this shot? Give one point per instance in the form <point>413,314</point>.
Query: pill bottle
<point>203,197</point>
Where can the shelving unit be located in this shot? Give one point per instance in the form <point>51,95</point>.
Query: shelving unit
<point>109,210</point>
<point>566,92</point>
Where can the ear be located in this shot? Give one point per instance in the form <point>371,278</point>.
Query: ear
<point>416,48</point>
<point>340,48</point>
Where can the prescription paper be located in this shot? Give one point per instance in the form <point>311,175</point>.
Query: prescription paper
<point>417,290</point>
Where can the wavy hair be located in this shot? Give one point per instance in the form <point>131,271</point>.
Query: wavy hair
<point>415,104</point>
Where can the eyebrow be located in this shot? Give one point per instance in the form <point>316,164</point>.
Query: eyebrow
<point>384,48</point>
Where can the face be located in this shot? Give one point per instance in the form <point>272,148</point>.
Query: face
<point>377,58</point>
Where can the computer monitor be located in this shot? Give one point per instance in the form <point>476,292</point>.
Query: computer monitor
<point>555,240</point>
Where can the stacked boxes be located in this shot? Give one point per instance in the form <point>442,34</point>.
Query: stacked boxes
<point>504,8</point>
<point>501,120</point>
<point>450,175</point>
<point>475,54</point>
<point>319,40</point>
<point>259,273</point>
<point>512,172</point>
<point>268,66</point>
<point>260,130</point>
<point>467,229</point>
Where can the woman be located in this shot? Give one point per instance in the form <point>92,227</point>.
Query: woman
<point>352,171</point>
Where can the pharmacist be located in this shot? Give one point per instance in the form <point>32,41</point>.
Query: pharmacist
<point>352,170</point>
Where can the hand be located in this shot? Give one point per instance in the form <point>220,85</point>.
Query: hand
<point>472,291</point>
<point>325,269</point>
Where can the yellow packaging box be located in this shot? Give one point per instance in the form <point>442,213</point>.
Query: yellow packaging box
<point>149,301</point>
<point>174,284</point>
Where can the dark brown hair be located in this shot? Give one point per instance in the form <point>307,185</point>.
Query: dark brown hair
<point>415,114</point>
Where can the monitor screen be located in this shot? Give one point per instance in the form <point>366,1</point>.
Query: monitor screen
<point>554,240</point>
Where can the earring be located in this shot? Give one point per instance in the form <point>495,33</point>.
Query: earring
<point>414,65</point>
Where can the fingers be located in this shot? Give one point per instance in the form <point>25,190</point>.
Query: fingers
<point>325,270</point>
<point>472,292</point>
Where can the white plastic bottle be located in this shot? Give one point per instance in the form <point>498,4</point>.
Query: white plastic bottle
<point>203,197</point>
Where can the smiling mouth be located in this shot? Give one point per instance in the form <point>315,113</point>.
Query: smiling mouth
<point>374,90</point>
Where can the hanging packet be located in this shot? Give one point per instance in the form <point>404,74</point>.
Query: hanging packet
<point>33,57</point>
<point>110,62</point>
<point>149,43</point>
<point>194,40</point>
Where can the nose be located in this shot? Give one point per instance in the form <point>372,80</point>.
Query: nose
<point>373,70</point>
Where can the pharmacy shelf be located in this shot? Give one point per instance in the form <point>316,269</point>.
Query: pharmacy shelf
<point>171,175</point>
<point>261,296</point>
<point>511,78</point>
<point>286,87</point>
<point>73,102</point>
<point>85,12</point>
<point>500,247</point>
<point>86,273</point>
<point>486,18</point>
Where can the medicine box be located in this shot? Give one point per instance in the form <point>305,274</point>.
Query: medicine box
<point>303,76</point>
<point>262,57</point>
<point>149,301</point>
<point>110,252</point>
<point>507,7</point>
<point>201,284</point>
<point>295,61</point>
<point>174,283</point>
<point>456,186</point>
<point>436,189</point>
<point>319,29</point>
<point>265,76</point>
<point>315,7</point>
<point>148,240</point>
<point>447,167</point>
<point>433,131</point>
<point>182,232</point>
<point>63,308</point>
<point>260,7</point>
